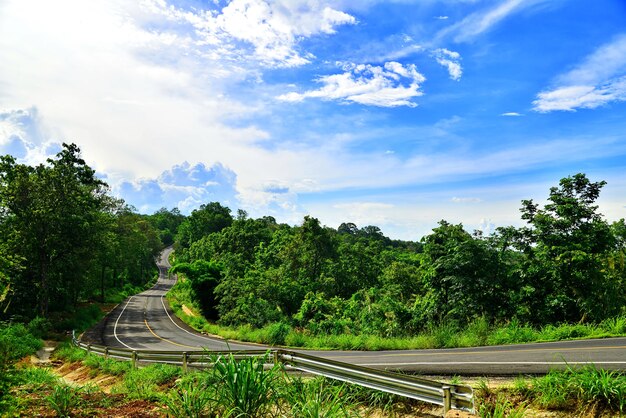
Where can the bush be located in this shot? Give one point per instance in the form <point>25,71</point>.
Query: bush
<point>16,342</point>
<point>277,333</point>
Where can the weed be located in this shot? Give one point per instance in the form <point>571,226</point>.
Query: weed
<point>188,400</point>
<point>246,388</point>
<point>588,385</point>
<point>63,400</point>
<point>501,408</point>
<point>143,383</point>
<point>34,379</point>
<point>317,399</point>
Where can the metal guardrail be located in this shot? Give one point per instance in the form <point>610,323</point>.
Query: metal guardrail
<point>445,395</point>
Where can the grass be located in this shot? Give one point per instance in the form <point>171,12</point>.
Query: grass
<point>146,382</point>
<point>477,333</point>
<point>188,400</point>
<point>585,386</point>
<point>245,388</point>
<point>63,399</point>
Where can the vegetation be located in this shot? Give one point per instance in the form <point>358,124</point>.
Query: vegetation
<point>354,288</point>
<point>65,242</point>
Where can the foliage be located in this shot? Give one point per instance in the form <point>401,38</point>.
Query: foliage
<point>245,388</point>
<point>16,342</point>
<point>188,399</point>
<point>63,399</point>
<point>63,239</point>
<point>587,384</point>
<point>310,285</point>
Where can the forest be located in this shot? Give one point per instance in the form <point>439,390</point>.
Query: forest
<point>565,265</point>
<point>67,241</point>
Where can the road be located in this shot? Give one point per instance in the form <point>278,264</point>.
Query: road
<point>145,322</point>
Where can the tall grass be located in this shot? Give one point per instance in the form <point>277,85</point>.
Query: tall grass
<point>318,398</point>
<point>63,400</point>
<point>188,399</point>
<point>245,389</point>
<point>584,385</point>
<point>144,383</point>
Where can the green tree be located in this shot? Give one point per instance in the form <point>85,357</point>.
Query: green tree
<point>463,272</point>
<point>49,212</point>
<point>568,242</point>
<point>209,218</point>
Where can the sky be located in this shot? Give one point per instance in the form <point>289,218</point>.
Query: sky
<point>396,113</point>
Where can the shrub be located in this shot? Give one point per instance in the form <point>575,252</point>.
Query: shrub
<point>245,388</point>
<point>16,342</point>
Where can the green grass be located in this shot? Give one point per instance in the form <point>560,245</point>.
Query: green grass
<point>245,388</point>
<point>584,385</point>
<point>477,333</point>
<point>145,382</point>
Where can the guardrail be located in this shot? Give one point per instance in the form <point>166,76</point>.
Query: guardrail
<point>447,396</point>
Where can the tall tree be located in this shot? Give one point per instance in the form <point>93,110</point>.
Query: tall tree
<point>568,241</point>
<point>49,213</point>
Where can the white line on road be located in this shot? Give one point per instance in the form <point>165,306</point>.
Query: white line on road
<point>499,363</point>
<point>118,320</point>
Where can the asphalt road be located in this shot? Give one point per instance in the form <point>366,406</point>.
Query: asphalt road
<point>145,322</point>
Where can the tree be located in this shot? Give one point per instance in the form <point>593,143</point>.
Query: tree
<point>167,222</point>
<point>462,270</point>
<point>49,215</point>
<point>568,242</point>
<point>209,218</point>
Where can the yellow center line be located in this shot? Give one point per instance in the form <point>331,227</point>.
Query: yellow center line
<point>165,339</point>
<point>458,353</point>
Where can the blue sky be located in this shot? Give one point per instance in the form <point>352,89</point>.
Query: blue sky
<point>392,113</point>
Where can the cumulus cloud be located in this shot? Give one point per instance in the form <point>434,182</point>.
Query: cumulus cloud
<point>271,30</point>
<point>450,60</point>
<point>390,85</point>
<point>599,79</point>
<point>184,186</point>
<point>366,213</point>
<point>23,135</point>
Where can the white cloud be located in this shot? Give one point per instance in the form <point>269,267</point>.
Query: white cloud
<point>366,213</point>
<point>24,136</point>
<point>598,80</point>
<point>465,199</point>
<point>450,60</point>
<point>273,29</point>
<point>184,186</point>
<point>483,20</point>
<point>391,85</point>
<point>511,114</point>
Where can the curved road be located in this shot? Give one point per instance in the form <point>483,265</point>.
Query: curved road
<point>145,322</point>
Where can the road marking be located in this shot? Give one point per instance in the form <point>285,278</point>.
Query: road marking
<point>118,320</point>
<point>171,319</point>
<point>502,363</point>
<point>459,353</point>
<point>165,339</point>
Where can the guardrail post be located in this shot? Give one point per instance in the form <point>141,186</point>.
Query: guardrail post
<point>184,362</point>
<point>106,352</point>
<point>88,348</point>
<point>447,399</point>
<point>133,359</point>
